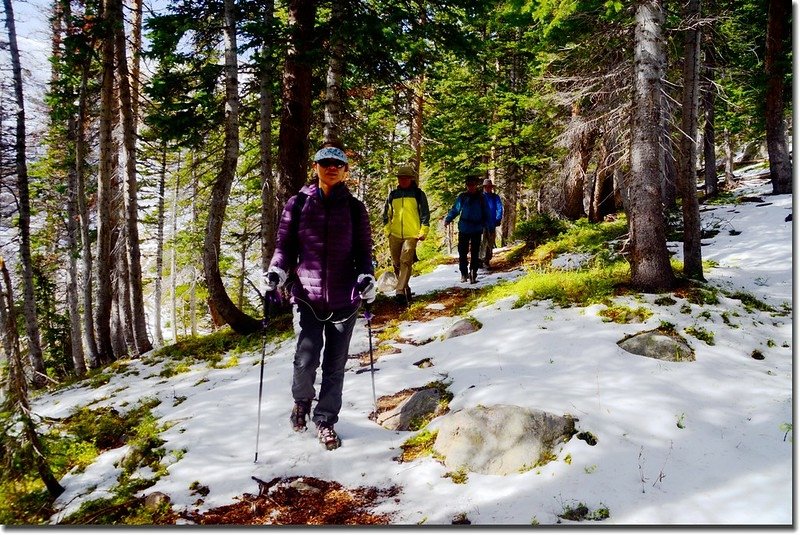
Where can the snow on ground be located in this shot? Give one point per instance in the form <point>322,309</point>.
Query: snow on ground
<point>700,443</point>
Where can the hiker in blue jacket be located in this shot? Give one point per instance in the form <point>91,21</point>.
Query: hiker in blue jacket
<point>473,218</point>
<point>489,239</point>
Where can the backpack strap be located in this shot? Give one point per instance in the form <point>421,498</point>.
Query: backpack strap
<point>297,208</point>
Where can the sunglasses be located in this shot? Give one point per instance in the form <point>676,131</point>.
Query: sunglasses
<point>330,162</point>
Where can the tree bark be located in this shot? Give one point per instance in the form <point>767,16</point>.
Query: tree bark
<point>238,320</point>
<point>269,202</point>
<point>173,266</point>
<point>61,20</point>
<point>296,111</point>
<point>602,203</point>
<point>333,87</point>
<point>23,191</point>
<point>709,133</point>
<point>649,259</point>
<point>127,107</point>
<point>158,336</point>
<point>104,198</point>
<point>776,64</point>
<point>687,179</point>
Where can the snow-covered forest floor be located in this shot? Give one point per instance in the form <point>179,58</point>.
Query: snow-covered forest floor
<point>707,442</point>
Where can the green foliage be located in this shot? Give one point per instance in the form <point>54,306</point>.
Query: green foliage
<point>581,512</point>
<point>701,334</point>
<point>597,239</point>
<point>420,445</point>
<point>73,444</point>
<point>625,314</point>
<point>751,302</point>
<point>564,288</point>
<point>208,348</point>
<point>459,477</point>
<point>539,229</point>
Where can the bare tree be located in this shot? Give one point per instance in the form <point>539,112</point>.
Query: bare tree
<point>649,259</point>
<point>23,192</point>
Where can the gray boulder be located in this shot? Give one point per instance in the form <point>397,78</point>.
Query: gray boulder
<point>419,405</point>
<point>501,439</point>
<point>462,327</point>
<point>658,345</point>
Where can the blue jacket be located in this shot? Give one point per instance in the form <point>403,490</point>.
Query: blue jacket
<point>472,212</point>
<point>495,207</point>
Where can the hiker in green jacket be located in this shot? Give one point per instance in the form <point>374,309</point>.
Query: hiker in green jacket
<point>406,220</point>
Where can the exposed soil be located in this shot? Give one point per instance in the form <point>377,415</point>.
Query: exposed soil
<point>301,501</point>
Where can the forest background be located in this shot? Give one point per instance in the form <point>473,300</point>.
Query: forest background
<point>144,206</point>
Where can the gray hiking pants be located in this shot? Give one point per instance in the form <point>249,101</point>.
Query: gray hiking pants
<point>329,337</point>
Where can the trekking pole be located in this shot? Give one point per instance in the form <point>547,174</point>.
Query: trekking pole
<point>368,316</point>
<point>264,323</point>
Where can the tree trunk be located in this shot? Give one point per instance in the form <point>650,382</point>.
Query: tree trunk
<point>602,203</point>
<point>709,133</point>
<point>296,112</point>
<point>269,202</point>
<point>61,20</point>
<point>776,64</point>
<point>669,182</point>
<point>577,162</point>
<point>104,199</point>
<point>73,250</point>
<point>238,320</point>
<point>192,267</point>
<point>126,108</point>
<point>649,259</point>
<point>173,265</point>
<point>336,66</point>
<point>29,300</point>
<point>727,143</point>
<point>692,254</point>
<point>158,336</point>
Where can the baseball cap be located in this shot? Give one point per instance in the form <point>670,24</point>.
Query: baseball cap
<point>330,153</point>
<point>488,182</point>
<point>406,170</point>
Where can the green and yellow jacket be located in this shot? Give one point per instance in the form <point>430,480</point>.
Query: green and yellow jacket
<point>406,213</point>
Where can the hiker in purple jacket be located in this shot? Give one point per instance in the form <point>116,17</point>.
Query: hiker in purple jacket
<point>323,253</point>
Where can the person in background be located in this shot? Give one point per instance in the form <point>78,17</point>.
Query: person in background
<point>406,219</point>
<point>495,204</point>
<point>323,253</point>
<point>473,218</point>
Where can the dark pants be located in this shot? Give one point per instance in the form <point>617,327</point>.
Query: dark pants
<point>331,338</point>
<point>468,241</point>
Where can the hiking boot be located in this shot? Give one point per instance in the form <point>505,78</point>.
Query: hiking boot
<point>328,437</point>
<point>463,278</point>
<point>299,415</point>
<point>473,278</point>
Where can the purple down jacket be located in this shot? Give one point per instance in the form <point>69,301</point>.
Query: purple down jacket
<point>328,252</point>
